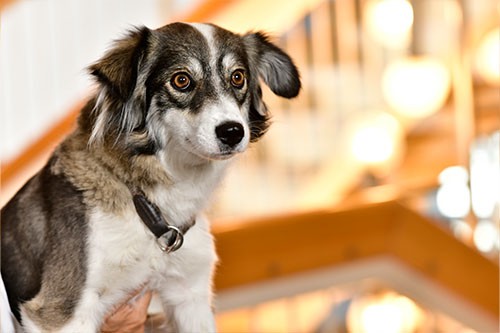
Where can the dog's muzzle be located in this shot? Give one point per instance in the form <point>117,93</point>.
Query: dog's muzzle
<point>230,133</point>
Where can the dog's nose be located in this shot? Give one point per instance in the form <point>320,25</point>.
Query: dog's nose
<point>230,133</point>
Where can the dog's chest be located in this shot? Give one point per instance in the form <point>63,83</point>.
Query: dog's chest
<point>123,253</point>
<point>119,249</point>
<point>123,256</point>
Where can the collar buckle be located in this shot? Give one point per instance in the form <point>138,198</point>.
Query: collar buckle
<point>171,240</point>
<point>168,237</point>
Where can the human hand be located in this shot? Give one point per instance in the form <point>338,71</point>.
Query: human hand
<point>130,316</point>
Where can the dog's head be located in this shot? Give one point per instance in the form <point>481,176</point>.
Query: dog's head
<point>194,87</point>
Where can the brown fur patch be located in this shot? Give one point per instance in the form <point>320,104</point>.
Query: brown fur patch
<point>102,174</point>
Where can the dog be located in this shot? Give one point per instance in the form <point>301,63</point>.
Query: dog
<point>119,203</point>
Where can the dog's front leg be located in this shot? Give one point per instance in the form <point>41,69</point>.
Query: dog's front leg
<point>187,305</point>
<point>190,316</point>
<point>187,293</point>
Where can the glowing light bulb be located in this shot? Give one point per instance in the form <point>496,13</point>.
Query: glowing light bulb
<point>486,236</point>
<point>488,57</point>
<point>453,196</point>
<point>389,21</point>
<point>453,200</point>
<point>388,313</point>
<point>376,138</point>
<point>373,144</point>
<point>453,174</point>
<point>416,87</point>
<point>484,175</point>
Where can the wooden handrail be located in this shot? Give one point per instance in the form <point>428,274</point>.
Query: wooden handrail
<point>260,250</point>
<point>42,145</point>
<point>5,3</point>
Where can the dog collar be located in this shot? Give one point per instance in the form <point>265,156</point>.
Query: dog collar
<point>169,237</point>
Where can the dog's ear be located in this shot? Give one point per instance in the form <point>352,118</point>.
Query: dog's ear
<point>117,70</point>
<point>120,104</point>
<point>273,65</point>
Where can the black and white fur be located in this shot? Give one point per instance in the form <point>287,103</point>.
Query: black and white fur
<point>73,245</point>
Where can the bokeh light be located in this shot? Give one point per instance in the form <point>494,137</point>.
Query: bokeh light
<point>388,312</point>
<point>376,138</point>
<point>416,87</point>
<point>486,236</point>
<point>453,196</point>
<point>488,57</point>
<point>389,22</point>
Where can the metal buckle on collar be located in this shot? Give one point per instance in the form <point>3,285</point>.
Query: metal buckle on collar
<point>171,240</point>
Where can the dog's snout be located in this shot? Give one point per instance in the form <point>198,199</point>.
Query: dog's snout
<point>230,133</point>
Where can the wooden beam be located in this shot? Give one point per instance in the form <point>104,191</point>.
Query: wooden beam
<point>5,3</point>
<point>435,252</point>
<point>261,250</point>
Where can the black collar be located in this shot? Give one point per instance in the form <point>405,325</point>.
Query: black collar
<point>168,237</point>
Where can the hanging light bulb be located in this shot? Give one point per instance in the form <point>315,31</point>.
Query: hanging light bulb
<point>453,196</point>
<point>488,57</point>
<point>387,312</point>
<point>376,138</point>
<point>416,87</point>
<point>389,22</point>
<point>486,236</point>
<point>485,178</point>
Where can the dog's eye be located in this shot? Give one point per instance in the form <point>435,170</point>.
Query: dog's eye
<point>238,79</point>
<point>181,81</point>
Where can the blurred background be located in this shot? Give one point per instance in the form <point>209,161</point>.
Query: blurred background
<point>372,205</point>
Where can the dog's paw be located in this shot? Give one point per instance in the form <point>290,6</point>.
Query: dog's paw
<point>195,318</point>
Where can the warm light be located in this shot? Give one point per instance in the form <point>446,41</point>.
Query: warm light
<point>453,174</point>
<point>453,197</point>
<point>388,313</point>
<point>453,200</point>
<point>376,138</point>
<point>488,57</point>
<point>461,230</point>
<point>486,236</point>
<point>416,87</point>
<point>389,21</point>
<point>485,175</point>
